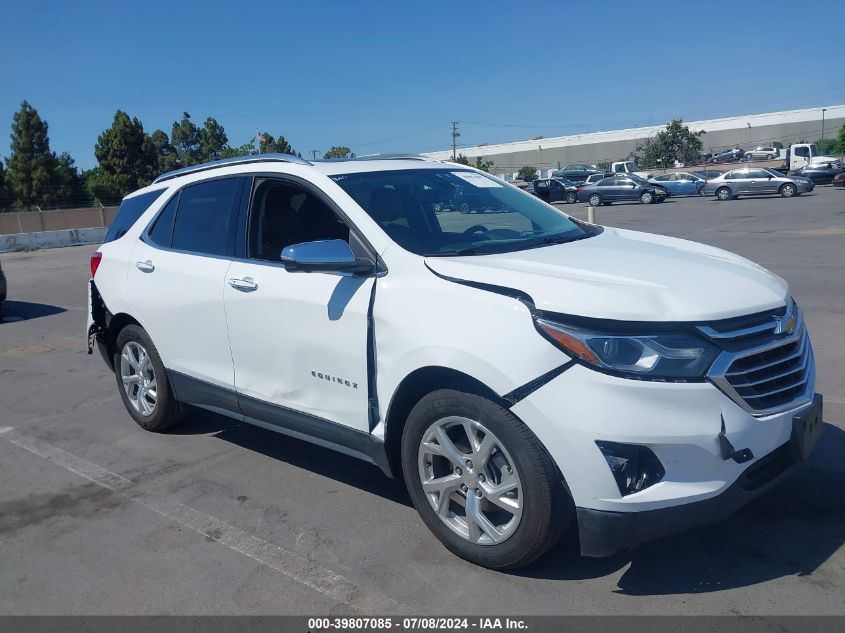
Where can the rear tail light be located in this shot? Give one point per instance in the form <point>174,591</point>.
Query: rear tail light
<point>96,258</point>
<point>580,188</point>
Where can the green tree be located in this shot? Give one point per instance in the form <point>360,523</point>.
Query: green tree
<point>527,173</point>
<point>185,138</point>
<point>69,186</point>
<point>213,140</point>
<point>279,145</point>
<point>31,166</point>
<point>166,158</point>
<point>483,165</point>
<point>828,146</point>
<point>101,187</point>
<point>127,156</point>
<point>244,150</point>
<point>4,190</point>
<point>339,152</point>
<point>676,143</point>
<point>841,139</point>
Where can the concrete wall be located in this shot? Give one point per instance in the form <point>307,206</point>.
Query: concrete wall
<point>60,219</point>
<point>51,239</point>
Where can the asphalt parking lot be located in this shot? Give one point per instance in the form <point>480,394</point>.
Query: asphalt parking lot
<point>100,517</point>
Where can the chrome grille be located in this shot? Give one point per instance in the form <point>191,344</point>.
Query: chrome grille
<point>762,370</point>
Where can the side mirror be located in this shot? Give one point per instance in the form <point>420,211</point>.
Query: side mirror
<point>324,256</point>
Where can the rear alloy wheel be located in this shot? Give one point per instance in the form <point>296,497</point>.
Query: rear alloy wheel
<point>723,194</point>
<point>647,197</point>
<point>142,380</point>
<point>571,197</point>
<point>481,480</point>
<point>594,200</point>
<point>787,190</point>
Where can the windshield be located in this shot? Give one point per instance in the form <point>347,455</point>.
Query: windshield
<point>437,212</point>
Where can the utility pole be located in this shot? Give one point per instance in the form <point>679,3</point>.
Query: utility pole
<point>455,135</point>
<point>823,111</point>
<point>314,154</point>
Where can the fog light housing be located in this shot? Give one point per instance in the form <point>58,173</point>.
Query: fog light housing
<point>634,467</point>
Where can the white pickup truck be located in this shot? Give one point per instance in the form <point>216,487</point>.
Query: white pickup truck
<point>800,155</point>
<point>629,167</point>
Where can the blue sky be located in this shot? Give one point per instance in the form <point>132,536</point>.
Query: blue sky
<point>390,76</point>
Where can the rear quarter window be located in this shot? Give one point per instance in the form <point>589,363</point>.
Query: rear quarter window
<point>130,210</point>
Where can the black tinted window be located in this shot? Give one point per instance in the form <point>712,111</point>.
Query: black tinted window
<point>204,215</point>
<point>283,213</point>
<point>162,231</point>
<point>130,210</point>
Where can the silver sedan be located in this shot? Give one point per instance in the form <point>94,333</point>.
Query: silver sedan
<point>755,182</point>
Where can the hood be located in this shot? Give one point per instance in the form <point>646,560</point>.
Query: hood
<point>627,275</point>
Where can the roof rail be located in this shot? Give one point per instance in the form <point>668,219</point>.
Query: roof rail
<point>237,160</point>
<point>384,157</point>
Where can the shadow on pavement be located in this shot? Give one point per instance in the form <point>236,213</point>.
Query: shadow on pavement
<point>311,457</point>
<point>791,531</point>
<point>25,310</point>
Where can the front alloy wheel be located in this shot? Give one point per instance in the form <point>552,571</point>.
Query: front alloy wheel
<point>647,197</point>
<point>470,480</point>
<point>788,190</point>
<point>481,480</point>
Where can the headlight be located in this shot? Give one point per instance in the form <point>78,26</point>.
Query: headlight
<point>658,356</point>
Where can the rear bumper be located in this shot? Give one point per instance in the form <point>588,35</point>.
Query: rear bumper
<point>604,533</point>
<point>2,286</point>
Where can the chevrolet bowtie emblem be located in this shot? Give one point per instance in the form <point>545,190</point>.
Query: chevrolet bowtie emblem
<point>786,324</point>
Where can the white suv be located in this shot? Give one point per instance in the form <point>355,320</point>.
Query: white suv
<point>521,369</point>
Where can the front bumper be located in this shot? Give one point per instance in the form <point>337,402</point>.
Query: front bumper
<point>680,423</point>
<point>604,533</point>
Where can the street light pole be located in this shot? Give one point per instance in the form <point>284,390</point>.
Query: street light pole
<point>823,111</point>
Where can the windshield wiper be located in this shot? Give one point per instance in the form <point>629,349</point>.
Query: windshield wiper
<point>469,250</point>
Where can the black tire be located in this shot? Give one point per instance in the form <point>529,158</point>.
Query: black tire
<point>547,508</point>
<point>464,208</point>
<point>571,197</point>
<point>594,200</point>
<point>787,190</point>
<point>646,197</point>
<point>770,157</point>
<point>701,191</point>
<point>167,411</point>
<point>723,193</point>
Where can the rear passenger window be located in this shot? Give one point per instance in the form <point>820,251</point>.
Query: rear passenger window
<point>130,210</point>
<point>204,216</point>
<point>162,231</point>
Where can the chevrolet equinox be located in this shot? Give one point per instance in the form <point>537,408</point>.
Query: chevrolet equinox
<point>525,372</point>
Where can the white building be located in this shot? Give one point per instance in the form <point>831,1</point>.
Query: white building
<point>745,131</point>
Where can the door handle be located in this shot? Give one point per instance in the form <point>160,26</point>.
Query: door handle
<point>247,284</point>
<point>145,267</point>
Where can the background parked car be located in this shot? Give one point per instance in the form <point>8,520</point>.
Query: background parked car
<point>821,174</point>
<point>707,173</point>
<point>764,152</point>
<point>619,189</point>
<point>594,178</point>
<point>729,156</point>
<point>577,172</point>
<point>555,190</point>
<point>756,181</point>
<point>680,183</point>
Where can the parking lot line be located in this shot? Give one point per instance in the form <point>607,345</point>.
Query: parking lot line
<point>312,575</point>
